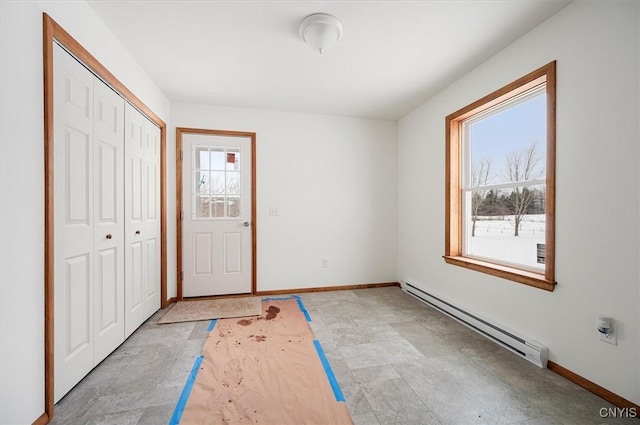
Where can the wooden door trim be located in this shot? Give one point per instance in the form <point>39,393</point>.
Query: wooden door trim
<point>184,130</point>
<point>53,32</point>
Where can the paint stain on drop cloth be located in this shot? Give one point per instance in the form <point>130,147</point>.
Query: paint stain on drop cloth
<point>272,312</point>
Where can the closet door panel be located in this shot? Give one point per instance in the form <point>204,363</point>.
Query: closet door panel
<point>152,218</point>
<point>77,314</point>
<point>108,238</point>
<point>78,175</point>
<point>135,196</point>
<point>73,222</point>
<point>106,296</point>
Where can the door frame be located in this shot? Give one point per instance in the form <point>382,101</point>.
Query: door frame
<point>53,32</point>
<point>179,215</point>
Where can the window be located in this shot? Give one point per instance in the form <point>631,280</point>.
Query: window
<point>500,182</point>
<point>216,183</point>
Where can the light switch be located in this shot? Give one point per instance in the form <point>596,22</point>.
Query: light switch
<point>274,211</point>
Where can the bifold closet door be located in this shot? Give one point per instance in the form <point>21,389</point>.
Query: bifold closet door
<point>88,221</point>
<point>152,218</point>
<point>142,221</point>
<point>108,240</point>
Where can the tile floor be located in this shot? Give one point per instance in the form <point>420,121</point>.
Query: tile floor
<point>397,361</point>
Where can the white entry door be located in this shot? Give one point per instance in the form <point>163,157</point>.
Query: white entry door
<point>216,224</point>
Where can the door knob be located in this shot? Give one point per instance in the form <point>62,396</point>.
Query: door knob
<point>137,232</point>
<point>246,224</point>
<point>109,236</point>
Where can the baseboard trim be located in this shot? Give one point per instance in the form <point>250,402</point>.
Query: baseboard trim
<point>601,392</point>
<point>216,297</point>
<point>42,420</point>
<point>291,291</point>
<point>171,300</point>
<point>328,288</point>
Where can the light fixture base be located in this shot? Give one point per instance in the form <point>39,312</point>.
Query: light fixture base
<point>320,31</point>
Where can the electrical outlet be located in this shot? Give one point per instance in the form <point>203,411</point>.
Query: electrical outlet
<point>325,262</point>
<point>611,338</point>
<point>607,329</point>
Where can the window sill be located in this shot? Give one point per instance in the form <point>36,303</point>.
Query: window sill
<point>509,273</point>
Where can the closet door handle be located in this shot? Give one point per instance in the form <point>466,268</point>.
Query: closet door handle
<point>137,232</point>
<point>109,236</point>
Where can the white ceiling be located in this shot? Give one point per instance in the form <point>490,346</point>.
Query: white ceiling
<point>394,54</point>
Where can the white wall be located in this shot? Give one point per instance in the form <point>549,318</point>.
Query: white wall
<point>22,184</point>
<point>598,234</point>
<point>334,180</point>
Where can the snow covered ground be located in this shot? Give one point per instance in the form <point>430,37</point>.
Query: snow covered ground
<point>494,239</point>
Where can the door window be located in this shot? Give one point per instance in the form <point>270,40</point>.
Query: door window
<point>216,189</point>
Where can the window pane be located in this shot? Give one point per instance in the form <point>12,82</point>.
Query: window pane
<point>509,141</point>
<point>200,158</point>
<point>234,207</point>
<point>233,183</point>
<point>217,159</point>
<point>506,225</point>
<point>200,182</point>
<point>217,182</point>
<point>201,207</point>
<point>217,207</point>
<point>233,160</point>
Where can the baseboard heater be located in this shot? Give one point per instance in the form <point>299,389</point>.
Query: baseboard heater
<point>531,350</point>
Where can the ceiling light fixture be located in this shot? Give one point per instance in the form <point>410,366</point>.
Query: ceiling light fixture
<point>320,31</point>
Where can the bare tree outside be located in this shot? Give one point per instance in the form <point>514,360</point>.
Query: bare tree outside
<point>480,176</point>
<point>520,166</point>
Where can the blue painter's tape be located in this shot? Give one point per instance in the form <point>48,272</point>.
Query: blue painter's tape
<point>182,402</point>
<point>278,298</point>
<point>211,325</point>
<point>302,309</point>
<point>327,369</point>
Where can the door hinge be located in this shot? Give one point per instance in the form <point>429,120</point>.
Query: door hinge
<point>181,276</point>
<point>181,215</point>
<point>181,155</point>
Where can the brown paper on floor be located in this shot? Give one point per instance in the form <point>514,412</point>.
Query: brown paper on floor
<point>263,370</point>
